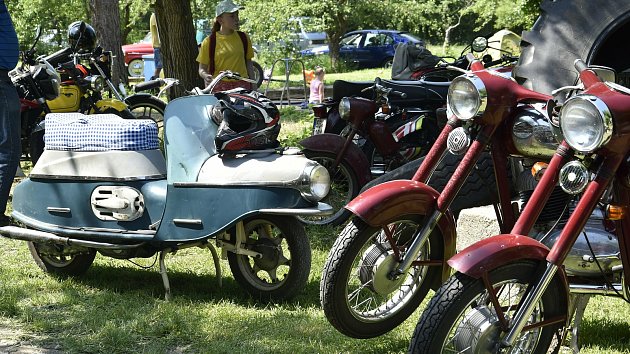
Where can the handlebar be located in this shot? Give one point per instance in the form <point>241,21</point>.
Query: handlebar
<point>223,74</point>
<point>382,90</point>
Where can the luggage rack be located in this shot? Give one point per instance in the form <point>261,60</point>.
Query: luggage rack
<point>288,66</point>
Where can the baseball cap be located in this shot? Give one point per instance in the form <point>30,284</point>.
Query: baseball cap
<point>227,6</point>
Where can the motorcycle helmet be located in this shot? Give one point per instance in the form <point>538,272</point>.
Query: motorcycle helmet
<point>81,36</point>
<point>247,121</point>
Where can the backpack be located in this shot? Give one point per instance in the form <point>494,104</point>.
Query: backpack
<point>213,48</point>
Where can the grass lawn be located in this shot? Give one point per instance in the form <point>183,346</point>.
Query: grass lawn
<point>119,307</point>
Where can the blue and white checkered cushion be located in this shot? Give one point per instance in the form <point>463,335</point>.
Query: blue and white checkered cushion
<point>98,132</point>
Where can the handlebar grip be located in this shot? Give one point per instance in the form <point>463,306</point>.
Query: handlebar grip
<point>580,65</point>
<point>148,85</point>
<point>399,94</point>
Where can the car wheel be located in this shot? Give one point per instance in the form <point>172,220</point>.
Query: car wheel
<point>387,63</point>
<point>136,68</point>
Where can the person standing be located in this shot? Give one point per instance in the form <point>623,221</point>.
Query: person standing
<point>155,42</point>
<point>10,147</point>
<point>317,86</point>
<point>226,48</point>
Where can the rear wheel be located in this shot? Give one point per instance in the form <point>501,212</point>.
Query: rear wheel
<point>358,297</point>
<point>36,145</point>
<point>462,317</point>
<point>61,260</point>
<point>344,186</point>
<point>549,50</point>
<point>259,74</point>
<point>147,106</point>
<point>283,268</point>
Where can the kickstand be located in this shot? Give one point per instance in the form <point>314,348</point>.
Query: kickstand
<point>580,306</point>
<point>217,264</point>
<point>167,285</point>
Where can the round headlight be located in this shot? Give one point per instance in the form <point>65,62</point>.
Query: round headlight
<point>317,183</point>
<point>586,123</point>
<point>96,82</point>
<point>466,97</point>
<point>344,108</point>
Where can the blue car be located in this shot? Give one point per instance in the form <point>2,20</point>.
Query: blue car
<point>368,48</point>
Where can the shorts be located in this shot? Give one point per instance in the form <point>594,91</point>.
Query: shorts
<point>157,58</point>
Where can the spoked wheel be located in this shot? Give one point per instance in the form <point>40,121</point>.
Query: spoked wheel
<point>344,186</point>
<point>147,106</point>
<point>358,297</point>
<point>461,317</point>
<point>285,262</point>
<point>60,260</point>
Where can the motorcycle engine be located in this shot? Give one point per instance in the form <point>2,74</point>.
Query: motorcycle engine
<point>117,203</point>
<point>531,132</point>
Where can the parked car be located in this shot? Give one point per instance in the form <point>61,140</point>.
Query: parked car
<point>305,33</point>
<point>133,55</point>
<point>368,48</point>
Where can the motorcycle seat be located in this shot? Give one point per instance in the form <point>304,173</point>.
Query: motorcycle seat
<point>419,93</point>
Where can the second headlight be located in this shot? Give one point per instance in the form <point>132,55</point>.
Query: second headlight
<point>586,123</point>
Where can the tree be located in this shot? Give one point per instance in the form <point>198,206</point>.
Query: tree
<point>179,48</point>
<point>106,23</point>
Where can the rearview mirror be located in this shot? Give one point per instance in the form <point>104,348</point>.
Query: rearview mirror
<point>479,44</point>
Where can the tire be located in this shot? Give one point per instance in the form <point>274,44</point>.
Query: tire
<point>595,31</point>
<point>478,190</point>
<point>463,301</point>
<point>135,68</point>
<point>147,106</point>
<point>387,63</point>
<point>284,245</point>
<point>344,186</point>
<point>259,74</point>
<point>355,277</point>
<point>36,145</point>
<point>61,261</point>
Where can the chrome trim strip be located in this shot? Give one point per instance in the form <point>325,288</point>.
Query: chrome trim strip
<point>321,209</point>
<point>97,178</point>
<point>282,184</point>
<point>187,221</point>
<point>58,210</point>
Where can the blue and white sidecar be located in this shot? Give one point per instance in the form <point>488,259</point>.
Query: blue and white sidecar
<point>102,185</point>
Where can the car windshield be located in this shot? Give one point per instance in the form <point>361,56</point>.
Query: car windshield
<point>147,38</point>
<point>351,40</point>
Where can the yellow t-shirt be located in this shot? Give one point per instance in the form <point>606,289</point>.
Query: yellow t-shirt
<point>155,36</point>
<point>228,53</point>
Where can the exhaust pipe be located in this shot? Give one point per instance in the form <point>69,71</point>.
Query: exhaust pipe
<point>18,233</point>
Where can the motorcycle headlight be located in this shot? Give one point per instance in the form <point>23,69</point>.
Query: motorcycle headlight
<point>586,123</point>
<point>96,82</point>
<point>467,97</point>
<point>344,108</point>
<point>315,182</point>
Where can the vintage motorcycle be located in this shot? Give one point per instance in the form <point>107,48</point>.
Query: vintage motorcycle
<point>517,293</point>
<point>102,185</point>
<point>77,87</point>
<point>395,248</point>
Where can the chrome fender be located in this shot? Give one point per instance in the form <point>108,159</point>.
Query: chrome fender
<point>333,143</point>
<point>382,203</point>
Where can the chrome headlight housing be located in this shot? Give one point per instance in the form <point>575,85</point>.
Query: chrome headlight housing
<point>344,108</point>
<point>586,123</point>
<point>97,83</point>
<point>467,97</point>
<point>315,182</point>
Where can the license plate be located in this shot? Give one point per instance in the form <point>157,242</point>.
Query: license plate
<point>319,126</point>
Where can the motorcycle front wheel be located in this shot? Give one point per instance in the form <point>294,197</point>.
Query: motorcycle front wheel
<point>462,316</point>
<point>283,268</point>
<point>147,106</point>
<point>55,260</point>
<point>344,186</point>
<point>357,295</point>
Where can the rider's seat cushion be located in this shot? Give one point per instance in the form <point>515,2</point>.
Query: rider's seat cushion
<point>99,132</point>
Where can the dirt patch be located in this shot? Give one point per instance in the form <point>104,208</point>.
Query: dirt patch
<point>15,340</point>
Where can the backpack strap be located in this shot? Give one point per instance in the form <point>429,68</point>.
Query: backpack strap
<point>213,48</point>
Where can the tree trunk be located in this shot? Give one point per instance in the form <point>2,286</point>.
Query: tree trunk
<point>178,44</point>
<point>447,34</point>
<point>106,22</point>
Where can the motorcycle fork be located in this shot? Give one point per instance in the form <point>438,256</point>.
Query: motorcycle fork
<point>344,148</point>
<point>445,198</point>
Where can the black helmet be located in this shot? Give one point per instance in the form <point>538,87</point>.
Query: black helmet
<point>247,121</point>
<point>81,36</point>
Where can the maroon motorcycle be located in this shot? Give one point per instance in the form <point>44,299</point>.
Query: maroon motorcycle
<point>394,250</point>
<point>517,293</point>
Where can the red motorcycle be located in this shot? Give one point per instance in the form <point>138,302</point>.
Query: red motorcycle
<point>515,293</point>
<point>394,250</point>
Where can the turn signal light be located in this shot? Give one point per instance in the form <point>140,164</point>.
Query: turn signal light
<point>616,212</point>
<point>538,169</point>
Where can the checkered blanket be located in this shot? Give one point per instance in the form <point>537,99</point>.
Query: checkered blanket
<point>99,132</point>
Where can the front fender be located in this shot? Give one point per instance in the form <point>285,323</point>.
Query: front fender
<point>113,103</point>
<point>333,143</point>
<point>490,253</point>
<point>385,202</point>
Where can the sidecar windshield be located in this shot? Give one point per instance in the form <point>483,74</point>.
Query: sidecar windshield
<point>188,136</point>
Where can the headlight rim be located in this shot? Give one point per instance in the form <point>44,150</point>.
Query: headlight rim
<point>603,112</point>
<point>344,108</point>
<point>307,182</point>
<point>482,96</point>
